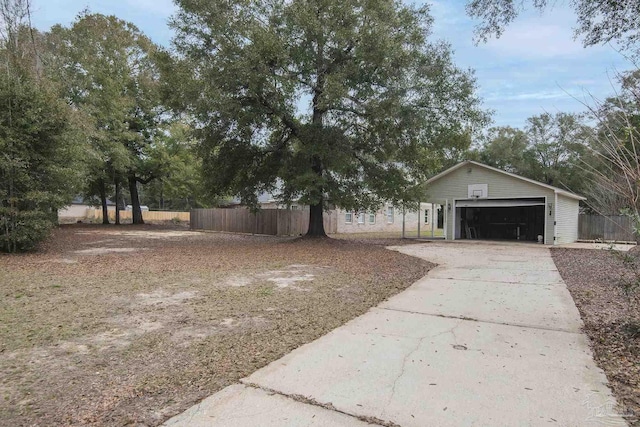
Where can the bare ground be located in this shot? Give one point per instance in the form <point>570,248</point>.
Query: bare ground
<point>131,325</point>
<point>612,319</point>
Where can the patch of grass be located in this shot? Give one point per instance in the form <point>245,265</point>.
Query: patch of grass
<point>265,291</point>
<point>134,338</point>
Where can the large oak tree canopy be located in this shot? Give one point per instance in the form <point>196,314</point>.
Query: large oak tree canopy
<point>328,102</point>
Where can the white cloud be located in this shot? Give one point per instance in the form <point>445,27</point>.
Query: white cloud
<point>535,40</point>
<point>536,95</point>
<point>538,36</point>
<point>528,96</point>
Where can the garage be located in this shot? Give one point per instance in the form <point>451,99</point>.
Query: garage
<point>481,202</point>
<point>501,219</point>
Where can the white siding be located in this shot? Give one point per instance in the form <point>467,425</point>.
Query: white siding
<point>455,185</point>
<point>567,220</point>
<point>382,224</point>
<point>73,211</point>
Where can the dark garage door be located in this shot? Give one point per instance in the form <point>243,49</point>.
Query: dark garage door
<point>501,219</point>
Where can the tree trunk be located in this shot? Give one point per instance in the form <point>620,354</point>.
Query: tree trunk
<point>103,201</point>
<point>117,184</point>
<point>135,200</point>
<point>316,220</point>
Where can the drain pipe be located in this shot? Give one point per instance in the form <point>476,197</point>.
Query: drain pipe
<point>555,219</point>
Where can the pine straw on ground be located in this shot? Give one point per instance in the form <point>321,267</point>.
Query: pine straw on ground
<point>595,279</point>
<point>131,325</point>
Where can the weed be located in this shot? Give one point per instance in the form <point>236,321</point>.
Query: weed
<point>630,283</point>
<point>265,291</point>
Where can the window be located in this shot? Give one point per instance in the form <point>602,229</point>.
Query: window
<point>372,218</point>
<point>294,207</point>
<point>426,216</point>
<point>361,218</point>
<point>348,217</point>
<point>390,214</point>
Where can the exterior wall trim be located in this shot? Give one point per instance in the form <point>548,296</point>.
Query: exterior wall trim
<point>546,235</point>
<point>446,220</point>
<point>453,215</point>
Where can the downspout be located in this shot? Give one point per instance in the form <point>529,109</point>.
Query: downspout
<point>453,217</point>
<point>555,219</point>
<point>433,214</point>
<point>446,220</point>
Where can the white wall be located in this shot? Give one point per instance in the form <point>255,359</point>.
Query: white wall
<point>74,211</point>
<point>382,222</point>
<point>567,220</point>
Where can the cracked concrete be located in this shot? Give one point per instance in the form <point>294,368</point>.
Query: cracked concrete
<point>240,405</point>
<point>474,343</point>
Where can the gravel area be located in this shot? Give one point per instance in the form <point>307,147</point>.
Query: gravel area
<point>596,280</point>
<point>131,325</point>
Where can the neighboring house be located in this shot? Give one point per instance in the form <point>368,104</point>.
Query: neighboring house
<point>265,200</point>
<point>79,210</point>
<point>482,202</point>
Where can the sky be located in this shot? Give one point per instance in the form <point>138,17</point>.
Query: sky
<point>535,67</point>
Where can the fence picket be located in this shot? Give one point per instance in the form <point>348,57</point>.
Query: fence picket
<point>607,228</point>
<point>275,222</point>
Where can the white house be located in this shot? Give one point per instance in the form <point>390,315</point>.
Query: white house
<point>79,209</point>
<point>482,202</point>
<point>390,219</point>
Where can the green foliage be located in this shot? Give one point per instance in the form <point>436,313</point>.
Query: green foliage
<point>450,148</point>
<point>556,146</point>
<point>551,149</point>
<point>108,71</point>
<point>38,169</point>
<point>504,149</point>
<point>326,102</point>
<point>180,186</point>
<point>635,220</point>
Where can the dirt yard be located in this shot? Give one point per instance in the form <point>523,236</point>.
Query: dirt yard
<point>131,325</point>
<point>612,320</point>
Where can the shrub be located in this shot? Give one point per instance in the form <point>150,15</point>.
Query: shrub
<point>37,167</point>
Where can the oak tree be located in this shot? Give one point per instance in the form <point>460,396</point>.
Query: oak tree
<point>109,71</point>
<point>327,102</point>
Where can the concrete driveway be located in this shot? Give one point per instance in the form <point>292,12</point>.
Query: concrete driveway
<point>491,337</point>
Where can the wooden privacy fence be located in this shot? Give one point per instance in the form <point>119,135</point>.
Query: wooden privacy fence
<point>617,228</point>
<point>96,214</point>
<point>275,222</point>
